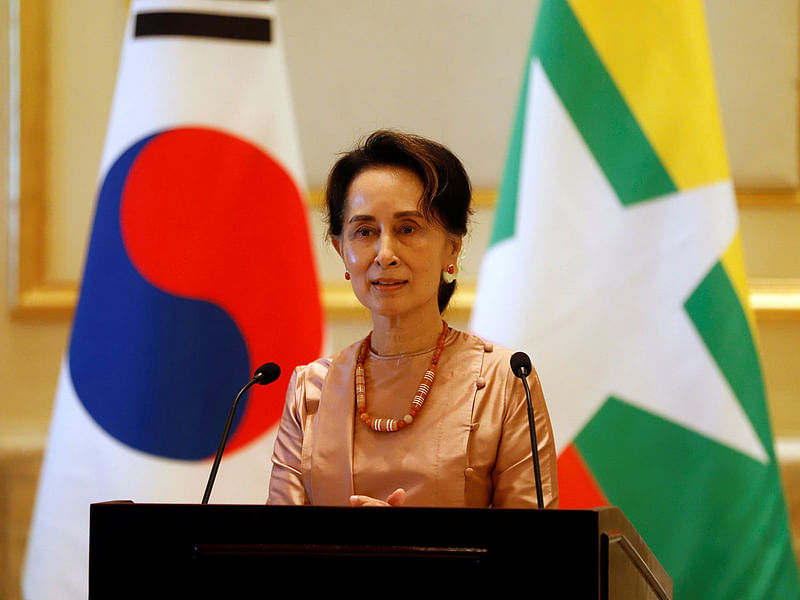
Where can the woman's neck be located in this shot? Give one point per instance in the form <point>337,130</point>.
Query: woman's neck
<point>396,335</point>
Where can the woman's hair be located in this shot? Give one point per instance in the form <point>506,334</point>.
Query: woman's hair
<point>446,194</point>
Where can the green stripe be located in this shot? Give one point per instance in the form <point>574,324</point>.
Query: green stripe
<point>714,517</point>
<point>596,107</point>
<point>720,320</point>
<point>505,213</point>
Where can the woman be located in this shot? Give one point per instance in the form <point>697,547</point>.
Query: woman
<point>416,414</point>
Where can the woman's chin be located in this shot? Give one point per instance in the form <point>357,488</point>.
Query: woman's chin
<point>387,308</point>
<point>387,305</point>
<point>396,301</point>
<point>400,308</point>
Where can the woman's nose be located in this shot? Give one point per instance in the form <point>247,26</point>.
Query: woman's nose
<point>385,255</point>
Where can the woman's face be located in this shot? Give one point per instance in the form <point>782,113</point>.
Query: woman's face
<point>395,256</point>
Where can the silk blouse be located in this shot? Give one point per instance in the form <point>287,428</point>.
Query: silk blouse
<point>469,446</point>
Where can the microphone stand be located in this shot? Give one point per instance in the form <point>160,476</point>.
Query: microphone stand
<point>224,439</point>
<point>521,367</point>
<point>534,445</point>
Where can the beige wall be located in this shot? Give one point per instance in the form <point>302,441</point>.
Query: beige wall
<point>447,69</point>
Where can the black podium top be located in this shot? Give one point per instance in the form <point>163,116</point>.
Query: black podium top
<point>173,550</point>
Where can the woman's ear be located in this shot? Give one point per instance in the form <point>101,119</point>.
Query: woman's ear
<point>337,245</point>
<point>456,246</point>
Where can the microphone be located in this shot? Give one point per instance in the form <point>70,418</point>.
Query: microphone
<point>266,373</point>
<point>521,367</point>
<point>521,364</point>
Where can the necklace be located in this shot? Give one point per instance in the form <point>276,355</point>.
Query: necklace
<point>425,385</point>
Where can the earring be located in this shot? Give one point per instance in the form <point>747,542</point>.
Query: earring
<point>347,275</point>
<point>449,274</point>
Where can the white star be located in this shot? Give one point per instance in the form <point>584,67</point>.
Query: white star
<point>596,291</point>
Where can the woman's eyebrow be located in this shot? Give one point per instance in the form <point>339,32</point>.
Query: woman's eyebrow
<point>397,215</point>
<point>355,218</point>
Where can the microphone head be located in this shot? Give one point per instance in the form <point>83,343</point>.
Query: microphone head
<point>267,373</point>
<point>521,362</point>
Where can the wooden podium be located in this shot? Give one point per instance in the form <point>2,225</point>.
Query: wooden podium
<point>225,551</point>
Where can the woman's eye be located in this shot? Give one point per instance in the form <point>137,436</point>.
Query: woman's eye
<point>407,229</point>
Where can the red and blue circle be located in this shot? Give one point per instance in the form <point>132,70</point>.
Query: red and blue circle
<point>199,269</point>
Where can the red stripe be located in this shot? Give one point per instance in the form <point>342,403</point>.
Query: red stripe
<point>577,487</point>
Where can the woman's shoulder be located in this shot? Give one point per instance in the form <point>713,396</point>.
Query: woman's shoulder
<point>493,352</point>
<point>318,369</point>
<point>496,359</point>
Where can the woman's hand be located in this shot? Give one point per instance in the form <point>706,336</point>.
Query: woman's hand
<point>396,498</point>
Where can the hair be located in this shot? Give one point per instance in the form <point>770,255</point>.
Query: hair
<point>447,190</point>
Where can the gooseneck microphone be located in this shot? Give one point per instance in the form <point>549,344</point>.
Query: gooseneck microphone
<point>521,367</point>
<point>266,373</point>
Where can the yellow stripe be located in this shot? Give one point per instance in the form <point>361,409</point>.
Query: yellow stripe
<point>733,263</point>
<point>657,53</point>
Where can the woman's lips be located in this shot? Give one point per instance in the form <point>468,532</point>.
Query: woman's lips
<point>388,284</point>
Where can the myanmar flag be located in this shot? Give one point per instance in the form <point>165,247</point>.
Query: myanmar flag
<point>616,256</point>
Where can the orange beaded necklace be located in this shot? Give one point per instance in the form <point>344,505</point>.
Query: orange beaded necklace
<point>416,404</point>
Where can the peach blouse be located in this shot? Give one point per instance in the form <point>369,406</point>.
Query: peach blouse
<point>469,446</point>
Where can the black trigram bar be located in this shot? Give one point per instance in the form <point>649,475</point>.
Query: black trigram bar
<point>227,27</point>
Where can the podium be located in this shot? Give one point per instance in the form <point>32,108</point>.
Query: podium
<point>224,551</point>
